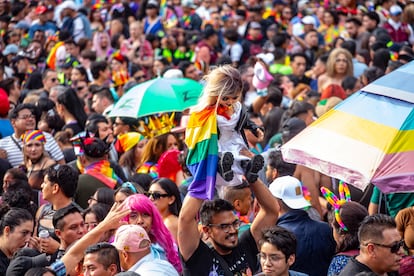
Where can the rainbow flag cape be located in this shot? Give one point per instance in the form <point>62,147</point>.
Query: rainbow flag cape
<point>51,58</point>
<point>102,170</point>
<point>202,141</point>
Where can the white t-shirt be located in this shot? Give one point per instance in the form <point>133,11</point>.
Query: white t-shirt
<point>14,147</point>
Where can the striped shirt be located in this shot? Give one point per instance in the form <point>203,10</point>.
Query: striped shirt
<point>14,148</point>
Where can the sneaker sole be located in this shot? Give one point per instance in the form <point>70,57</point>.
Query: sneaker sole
<point>226,162</point>
<point>256,165</point>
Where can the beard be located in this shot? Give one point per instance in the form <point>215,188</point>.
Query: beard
<point>227,247</point>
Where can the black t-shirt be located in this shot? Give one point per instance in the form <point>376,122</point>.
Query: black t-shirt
<point>354,267</point>
<point>4,263</point>
<point>241,261</point>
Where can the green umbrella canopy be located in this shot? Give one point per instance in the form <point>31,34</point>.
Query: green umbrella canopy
<point>156,96</point>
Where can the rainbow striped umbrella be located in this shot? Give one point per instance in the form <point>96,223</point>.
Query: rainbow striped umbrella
<point>368,138</point>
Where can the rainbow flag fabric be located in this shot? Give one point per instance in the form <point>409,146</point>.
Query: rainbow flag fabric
<point>201,139</point>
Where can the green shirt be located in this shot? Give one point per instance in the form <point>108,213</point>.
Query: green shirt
<point>394,202</point>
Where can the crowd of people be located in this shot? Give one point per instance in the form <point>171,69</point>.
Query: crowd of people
<point>204,191</point>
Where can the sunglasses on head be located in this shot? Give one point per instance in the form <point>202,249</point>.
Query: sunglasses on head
<point>156,195</point>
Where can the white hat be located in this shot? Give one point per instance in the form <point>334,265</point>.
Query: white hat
<point>173,73</point>
<point>302,3</point>
<point>268,58</point>
<point>309,19</point>
<point>188,4</point>
<point>68,4</point>
<point>289,189</point>
<point>395,10</point>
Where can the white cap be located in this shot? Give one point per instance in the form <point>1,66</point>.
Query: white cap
<point>173,73</point>
<point>309,19</point>
<point>289,189</point>
<point>188,4</point>
<point>302,3</point>
<point>395,10</point>
<point>267,58</point>
<point>68,4</point>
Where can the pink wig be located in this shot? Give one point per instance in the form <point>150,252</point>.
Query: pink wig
<point>159,232</point>
<point>101,54</point>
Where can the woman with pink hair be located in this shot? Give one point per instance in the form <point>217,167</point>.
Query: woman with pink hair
<point>145,214</point>
<point>102,45</point>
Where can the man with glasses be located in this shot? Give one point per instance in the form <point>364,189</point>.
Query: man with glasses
<point>228,254</point>
<point>381,247</point>
<point>23,118</point>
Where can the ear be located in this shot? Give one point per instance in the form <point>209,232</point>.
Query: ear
<point>55,188</point>
<point>13,122</point>
<point>58,233</point>
<point>125,256</point>
<point>236,204</point>
<point>206,230</point>
<point>371,249</point>
<point>7,230</point>
<point>113,269</point>
<point>291,260</point>
<point>171,199</point>
<point>275,173</point>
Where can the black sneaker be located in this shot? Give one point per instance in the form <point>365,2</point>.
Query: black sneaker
<point>253,167</point>
<point>224,166</point>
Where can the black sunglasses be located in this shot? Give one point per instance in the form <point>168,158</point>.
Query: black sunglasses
<point>156,195</point>
<point>394,248</point>
<point>139,78</point>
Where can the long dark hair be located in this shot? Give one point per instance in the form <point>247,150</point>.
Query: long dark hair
<point>73,105</point>
<point>172,190</point>
<point>352,214</point>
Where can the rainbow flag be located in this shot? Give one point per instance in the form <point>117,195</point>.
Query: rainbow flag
<point>202,141</point>
<point>51,59</point>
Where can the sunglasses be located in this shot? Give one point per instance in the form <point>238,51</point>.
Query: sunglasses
<point>156,195</point>
<point>139,78</point>
<point>80,88</point>
<point>394,248</point>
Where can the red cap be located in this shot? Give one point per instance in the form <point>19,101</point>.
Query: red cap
<point>41,10</point>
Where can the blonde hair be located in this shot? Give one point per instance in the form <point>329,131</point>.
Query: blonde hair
<point>408,14</point>
<point>330,64</point>
<point>222,81</point>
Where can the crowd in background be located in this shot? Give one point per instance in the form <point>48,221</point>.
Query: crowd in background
<point>73,172</point>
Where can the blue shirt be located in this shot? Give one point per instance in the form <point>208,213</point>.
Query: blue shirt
<point>149,265</point>
<point>315,243</point>
<point>6,128</point>
<point>49,29</point>
<point>359,67</point>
